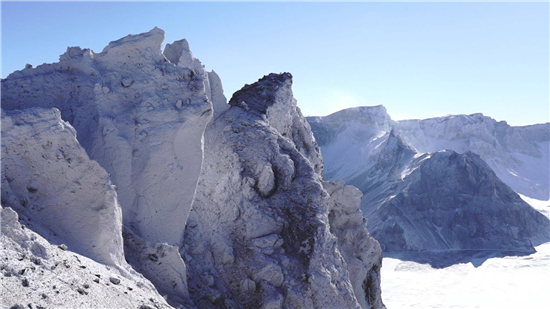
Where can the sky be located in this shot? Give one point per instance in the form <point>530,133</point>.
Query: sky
<point>419,60</point>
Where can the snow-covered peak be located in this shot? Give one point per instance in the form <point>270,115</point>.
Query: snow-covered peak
<point>370,115</point>
<point>180,54</point>
<point>138,115</point>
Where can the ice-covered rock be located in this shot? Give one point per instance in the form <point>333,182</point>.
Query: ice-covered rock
<point>48,176</point>
<point>259,233</point>
<point>138,115</point>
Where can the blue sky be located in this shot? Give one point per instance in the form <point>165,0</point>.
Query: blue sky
<point>418,59</point>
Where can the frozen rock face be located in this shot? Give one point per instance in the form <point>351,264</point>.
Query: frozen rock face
<point>425,201</point>
<point>259,234</point>
<point>48,176</point>
<point>36,273</point>
<point>518,155</point>
<point>138,115</point>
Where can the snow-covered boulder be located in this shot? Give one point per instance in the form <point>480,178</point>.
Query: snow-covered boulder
<point>48,176</point>
<point>259,234</point>
<point>138,115</point>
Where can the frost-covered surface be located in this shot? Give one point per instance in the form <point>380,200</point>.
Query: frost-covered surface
<point>37,274</point>
<point>48,176</point>
<point>259,233</point>
<point>138,115</point>
<point>424,201</point>
<point>500,282</point>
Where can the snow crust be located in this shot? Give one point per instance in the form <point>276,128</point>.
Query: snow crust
<point>500,282</point>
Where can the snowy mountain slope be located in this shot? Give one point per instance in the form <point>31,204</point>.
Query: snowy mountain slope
<point>414,200</point>
<point>48,178</point>
<point>455,201</point>
<point>259,233</point>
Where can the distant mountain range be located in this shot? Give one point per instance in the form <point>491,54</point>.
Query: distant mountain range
<point>441,183</point>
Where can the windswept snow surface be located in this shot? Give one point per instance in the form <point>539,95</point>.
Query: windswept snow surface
<point>501,282</point>
<point>35,273</point>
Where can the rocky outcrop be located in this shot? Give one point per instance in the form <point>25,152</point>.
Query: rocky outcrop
<point>259,233</point>
<point>264,231</point>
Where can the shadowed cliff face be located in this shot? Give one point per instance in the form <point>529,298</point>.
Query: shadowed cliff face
<point>453,201</point>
